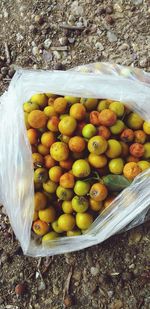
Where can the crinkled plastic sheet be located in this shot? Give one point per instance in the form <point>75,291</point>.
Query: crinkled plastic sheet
<point>98,80</point>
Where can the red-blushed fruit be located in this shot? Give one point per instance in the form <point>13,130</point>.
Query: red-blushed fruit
<point>94,118</point>
<point>107,118</point>
<point>137,150</point>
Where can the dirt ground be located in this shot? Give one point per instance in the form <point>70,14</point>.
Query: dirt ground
<point>114,274</point>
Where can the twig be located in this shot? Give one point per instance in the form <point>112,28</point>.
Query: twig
<point>67,283</point>
<point>48,262</point>
<point>7,53</point>
<point>59,48</point>
<point>66,26</point>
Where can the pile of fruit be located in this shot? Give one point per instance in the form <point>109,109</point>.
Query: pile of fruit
<point>85,151</point>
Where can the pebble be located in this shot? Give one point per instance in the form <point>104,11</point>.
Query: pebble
<point>124,46</point>
<point>137,2</point>
<point>109,20</point>
<point>20,289</point>
<point>77,275</point>
<point>55,290</point>
<point>47,56</point>
<point>68,301</point>
<point>4,258</point>
<point>4,71</point>
<point>63,41</point>
<point>109,9</point>
<point>94,271</point>
<point>99,46</point>
<point>76,9</point>
<point>71,40</point>
<point>111,36</point>
<point>143,63</point>
<point>71,18</point>
<point>39,19</point>
<point>118,7</point>
<point>47,43</point>
<point>5,14</point>
<point>19,37</point>
<point>57,55</point>
<point>135,236</point>
<point>35,51</point>
<point>41,286</point>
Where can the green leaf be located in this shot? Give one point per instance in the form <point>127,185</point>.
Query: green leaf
<point>116,183</point>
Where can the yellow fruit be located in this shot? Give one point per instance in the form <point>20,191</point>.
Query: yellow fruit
<point>50,111</point>
<point>35,215</point>
<point>26,120</point>
<point>147,150</point>
<point>116,166</point>
<point>60,105</point>
<point>29,106</point>
<point>97,161</point>
<point>66,222</point>
<point>71,100</point>
<point>134,121</point>
<point>97,145</point>
<point>47,215</point>
<point>73,233</point>
<point>84,220</point>
<point>67,125</point>
<point>37,119</point>
<point>81,168</point>
<point>117,108</point>
<point>143,165</point>
<point>49,236</point>
<point>40,228</point>
<point>64,194</point>
<point>50,186</point>
<point>67,207</point>
<point>146,127</point>
<point>114,149</point>
<point>40,99</point>
<point>59,151</point>
<point>56,228</point>
<point>95,205</point>
<point>89,103</point>
<point>55,173</point>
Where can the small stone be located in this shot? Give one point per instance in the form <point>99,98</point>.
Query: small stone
<point>63,40</point>
<point>77,275</point>
<point>71,18</point>
<point>4,71</point>
<point>57,55</point>
<point>20,289</point>
<point>55,290</point>
<point>109,9</point>
<point>118,8</point>
<point>47,56</point>
<point>111,36</point>
<point>143,63</point>
<point>59,66</point>
<point>11,72</point>
<point>4,258</point>
<point>124,46</point>
<point>71,40</point>
<point>110,294</point>
<point>47,43</point>
<point>35,51</point>
<point>94,271</point>
<point>41,286</point>
<point>5,14</point>
<point>99,46</point>
<point>135,236</point>
<point>137,2</point>
<point>39,19</point>
<point>68,302</point>
<point>109,20</point>
<point>76,9</point>
<point>19,37</point>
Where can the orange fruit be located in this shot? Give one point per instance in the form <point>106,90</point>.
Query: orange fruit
<point>94,118</point>
<point>66,164</point>
<point>49,161</point>
<point>40,201</point>
<point>52,124</point>
<point>77,144</point>
<point>37,119</point>
<point>32,136</point>
<point>108,201</point>
<point>67,181</point>
<point>47,139</point>
<point>40,228</point>
<point>98,192</point>
<point>137,150</point>
<point>104,132</point>
<point>60,105</point>
<point>55,173</point>
<point>43,149</point>
<point>59,151</point>
<point>37,159</point>
<point>107,117</point>
<point>67,125</point>
<point>131,170</point>
<point>78,111</point>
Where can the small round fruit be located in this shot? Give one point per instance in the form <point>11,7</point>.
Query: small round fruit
<point>35,215</point>
<point>50,111</point>
<point>66,222</point>
<point>104,132</point>
<point>84,220</point>
<point>26,120</point>
<point>64,194</point>
<point>97,161</point>
<point>114,149</point>
<point>97,145</point>
<point>38,160</point>
<point>49,161</point>
<point>144,165</point>
<point>107,118</point>
<point>49,236</point>
<point>89,103</point>
<point>80,126</point>
<point>52,124</point>
<point>67,181</point>
<point>60,105</point>
<point>118,127</point>
<point>56,228</point>
<point>64,138</point>
<point>47,215</point>
<point>117,108</point>
<point>134,121</point>
<point>78,111</point>
<point>147,150</point>
<point>40,99</point>
<point>125,149</point>
<point>137,150</point>
<point>50,186</point>
<point>73,233</point>
<point>47,139</point>
<point>127,135</point>
<point>80,203</point>
<point>50,95</point>
<point>116,166</point>
<point>132,159</point>
<point>40,201</point>
<point>55,173</point>
<point>37,119</point>
<point>67,125</point>
<point>66,164</point>
<point>59,151</point>
<point>146,127</point>
<point>108,201</point>
<point>40,228</point>
<point>67,207</point>
<point>43,149</point>
<point>94,118</point>
<point>131,170</point>
<point>88,130</point>
<point>103,104</point>
<point>81,168</point>
<point>40,175</point>
<point>95,205</point>
<point>98,192</point>
<point>71,100</point>
<point>29,107</point>
<point>51,101</point>
<point>81,187</point>
<point>77,144</point>
<point>139,136</point>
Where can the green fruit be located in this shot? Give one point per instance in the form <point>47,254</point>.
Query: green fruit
<point>81,187</point>
<point>117,127</point>
<point>56,228</point>
<point>90,104</point>
<point>29,106</point>
<point>134,121</point>
<point>49,236</point>
<point>64,194</point>
<point>117,108</point>
<point>116,183</point>
<point>81,168</point>
<point>72,100</point>
<point>88,130</point>
<point>80,204</point>
<point>116,166</point>
<point>103,104</point>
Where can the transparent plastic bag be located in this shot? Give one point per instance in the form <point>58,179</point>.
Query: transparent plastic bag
<point>100,80</point>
